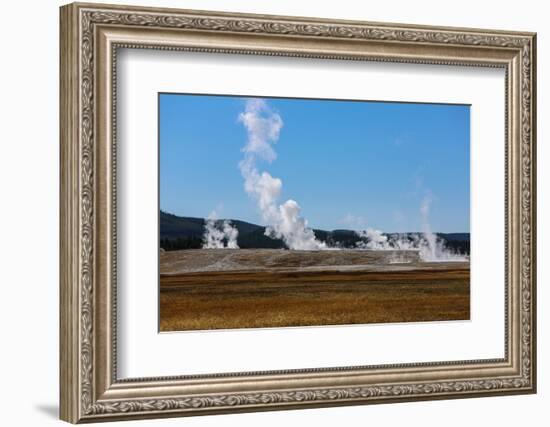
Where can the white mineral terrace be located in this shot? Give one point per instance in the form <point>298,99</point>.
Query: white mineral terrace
<point>197,260</point>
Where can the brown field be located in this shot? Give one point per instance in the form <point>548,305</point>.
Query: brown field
<point>225,289</point>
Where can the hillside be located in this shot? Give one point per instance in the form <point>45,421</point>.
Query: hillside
<point>186,233</point>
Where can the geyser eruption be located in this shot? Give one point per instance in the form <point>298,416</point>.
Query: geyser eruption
<point>431,251</point>
<point>431,247</point>
<point>219,234</point>
<point>263,126</point>
<point>293,229</point>
<point>372,239</point>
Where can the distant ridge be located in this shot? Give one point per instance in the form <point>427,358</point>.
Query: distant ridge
<point>180,232</point>
<point>188,231</point>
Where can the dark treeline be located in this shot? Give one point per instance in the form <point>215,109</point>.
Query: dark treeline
<point>258,240</point>
<point>458,246</point>
<point>181,243</point>
<point>178,233</point>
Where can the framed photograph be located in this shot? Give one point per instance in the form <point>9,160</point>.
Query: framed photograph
<point>266,212</point>
<point>283,272</point>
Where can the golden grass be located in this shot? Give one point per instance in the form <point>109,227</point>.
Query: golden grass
<point>269,298</point>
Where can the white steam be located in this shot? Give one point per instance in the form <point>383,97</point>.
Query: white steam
<point>431,247</point>
<point>263,126</point>
<point>219,234</point>
<point>293,229</point>
<point>373,239</point>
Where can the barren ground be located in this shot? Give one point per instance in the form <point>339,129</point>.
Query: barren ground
<point>225,289</point>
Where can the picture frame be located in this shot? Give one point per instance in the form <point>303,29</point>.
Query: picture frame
<point>91,35</point>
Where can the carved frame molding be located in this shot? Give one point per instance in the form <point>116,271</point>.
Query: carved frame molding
<point>90,36</point>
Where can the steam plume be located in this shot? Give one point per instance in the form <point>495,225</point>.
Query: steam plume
<point>373,239</point>
<point>431,247</point>
<point>263,127</point>
<point>219,234</point>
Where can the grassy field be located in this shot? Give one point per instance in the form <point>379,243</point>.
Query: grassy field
<point>276,297</point>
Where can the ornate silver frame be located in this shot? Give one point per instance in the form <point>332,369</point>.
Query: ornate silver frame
<point>90,36</point>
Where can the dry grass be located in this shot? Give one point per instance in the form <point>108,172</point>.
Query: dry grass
<point>272,298</point>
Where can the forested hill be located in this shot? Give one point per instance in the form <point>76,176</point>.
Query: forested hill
<point>177,232</point>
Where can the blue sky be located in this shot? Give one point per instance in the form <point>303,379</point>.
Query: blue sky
<point>348,164</point>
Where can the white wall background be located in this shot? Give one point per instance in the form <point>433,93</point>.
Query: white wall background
<point>29,170</point>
